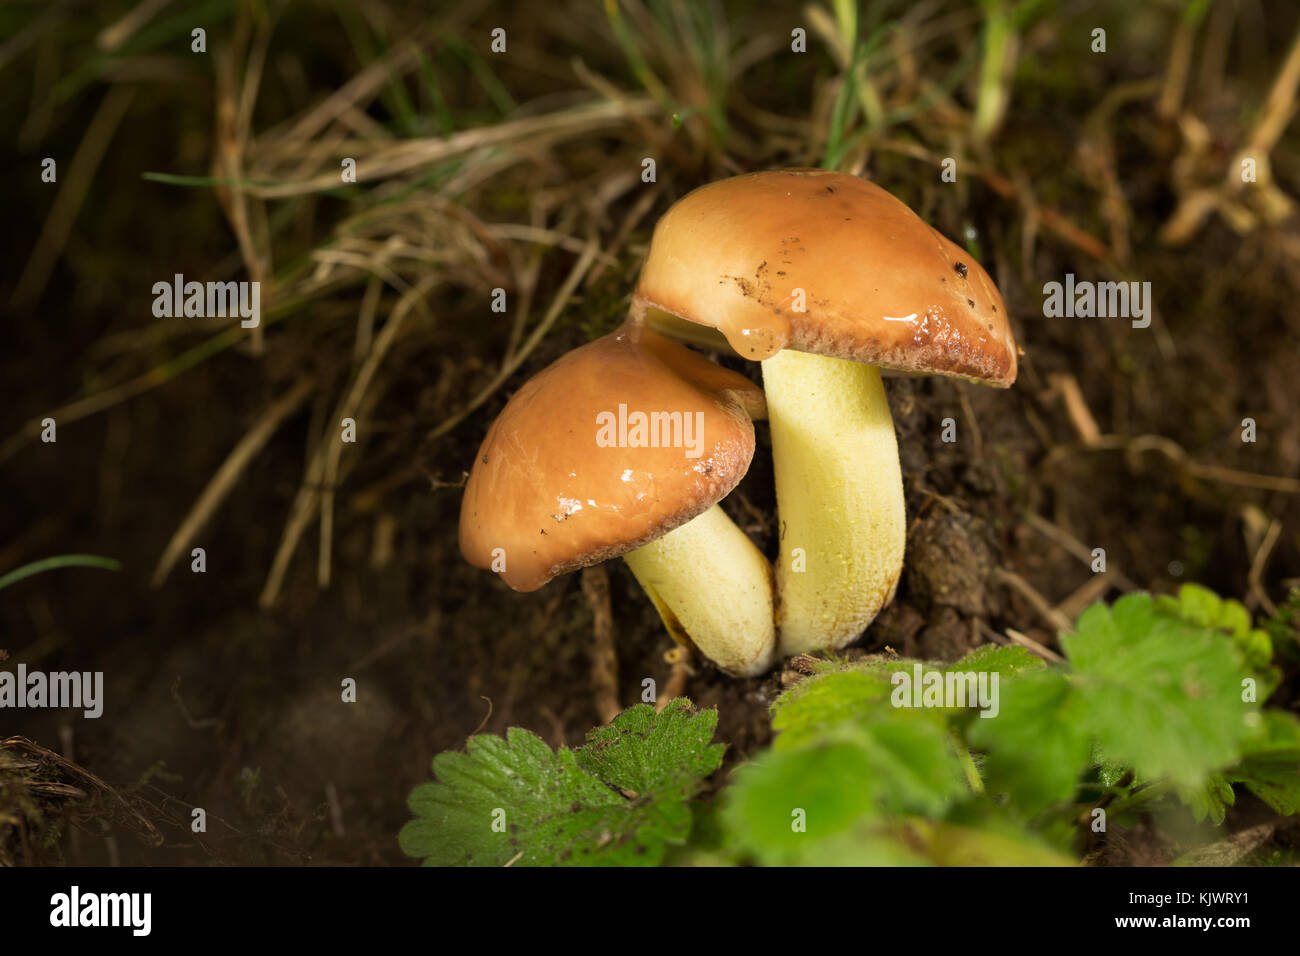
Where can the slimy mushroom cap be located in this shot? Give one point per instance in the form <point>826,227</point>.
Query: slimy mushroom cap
<point>876,283</point>
<point>554,497</point>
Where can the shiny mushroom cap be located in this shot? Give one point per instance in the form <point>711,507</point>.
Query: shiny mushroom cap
<point>610,447</point>
<point>827,263</point>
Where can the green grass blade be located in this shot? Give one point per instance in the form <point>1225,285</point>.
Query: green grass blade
<point>61,561</point>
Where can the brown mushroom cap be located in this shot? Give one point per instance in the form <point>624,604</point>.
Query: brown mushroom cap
<point>881,286</point>
<point>547,493</point>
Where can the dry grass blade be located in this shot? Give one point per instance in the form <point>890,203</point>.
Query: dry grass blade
<point>1134,447</point>
<point>1180,62</point>
<point>514,361</point>
<point>1028,643</point>
<point>118,32</point>
<point>234,113</point>
<point>329,448</point>
<point>228,474</point>
<point>100,401</point>
<point>1004,187</point>
<point>1255,579</point>
<point>1230,476</point>
<point>633,219</point>
<point>80,175</point>
<point>366,319</point>
<point>304,504</point>
<point>388,159</point>
<point>1091,590</point>
<point>546,237</point>
<point>361,88</point>
<point>1046,611</point>
<point>1076,407</point>
<point>1073,546</point>
<point>23,39</point>
<point>1278,109</point>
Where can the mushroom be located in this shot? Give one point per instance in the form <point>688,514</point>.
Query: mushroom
<point>624,447</point>
<point>826,278</point>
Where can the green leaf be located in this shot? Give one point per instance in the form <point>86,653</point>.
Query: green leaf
<point>1211,801</point>
<point>947,844</point>
<point>646,751</point>
<point>1201,607</point>
<point>1283,628</point>
<point>785,804</point>
<point>813,707</point>
<point>1159,695</point>
<point>1276,782</point>
<point>659,757</point>
<point>1234,618</point>
<point>1270,768</point>
<point>1257,648</point>
<point>1109,772</point>
<point>796,805</point>
<point>1195,604</point>
<point>1037,746</point>
<point>619,800</point>
<point>866,843</point>
<point>1006,661</point>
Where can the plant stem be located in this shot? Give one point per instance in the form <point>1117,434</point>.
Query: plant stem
<point>967,763</point>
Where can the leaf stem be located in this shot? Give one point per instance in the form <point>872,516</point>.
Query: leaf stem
<point>967,763</point>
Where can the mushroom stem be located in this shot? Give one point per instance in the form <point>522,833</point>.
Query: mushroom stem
<point>839,492</point>
<point>713,589</point>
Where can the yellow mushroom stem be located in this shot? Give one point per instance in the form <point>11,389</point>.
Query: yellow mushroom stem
<point>713,589</point>
<point>839,494</point>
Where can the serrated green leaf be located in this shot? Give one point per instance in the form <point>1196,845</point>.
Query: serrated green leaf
<point>1109,772</point>
<point>1257,648</point>
<point>1276,732</point>
<point>783,805</point>
<point>1276,782</point>
<point>1006,661</point>
<point>1270,767</point>
<point>643,750</point>
<point>1159,695</point>
<point>515,801</point>
<point>1199,605</point>
<point>1037,746</point>
<point>813,707</point>
<point>889,763</point>
<point>1234,618</point>
<point>1211,801</point>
